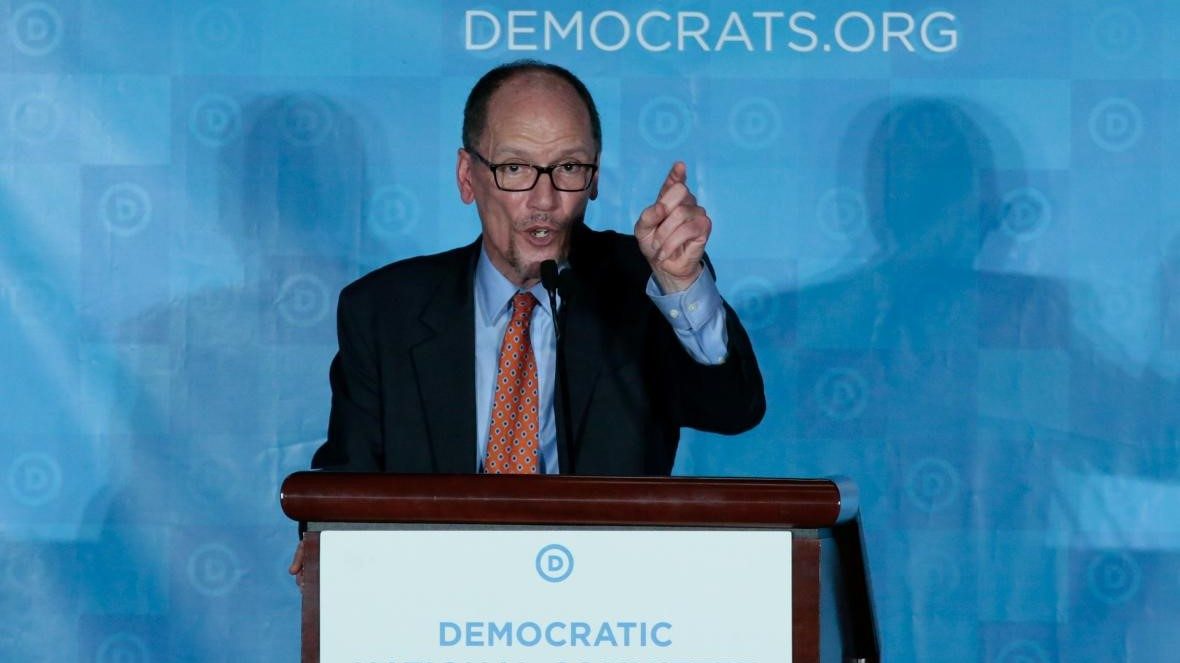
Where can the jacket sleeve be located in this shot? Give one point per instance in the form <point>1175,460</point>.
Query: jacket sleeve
<point>726,398</point>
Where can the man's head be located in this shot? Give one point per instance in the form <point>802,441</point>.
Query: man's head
<point>532,114</point>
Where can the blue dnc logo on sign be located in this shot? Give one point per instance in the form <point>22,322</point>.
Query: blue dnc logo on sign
<point>555,563</point>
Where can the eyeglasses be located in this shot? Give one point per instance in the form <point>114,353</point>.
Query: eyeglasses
<point>518,176</point>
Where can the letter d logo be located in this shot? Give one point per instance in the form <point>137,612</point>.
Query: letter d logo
<point>554,563</point>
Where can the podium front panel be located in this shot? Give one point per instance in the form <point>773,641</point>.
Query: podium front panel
<point>545,594</point>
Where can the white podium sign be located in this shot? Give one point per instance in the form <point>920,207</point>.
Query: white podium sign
<point>555,596</point>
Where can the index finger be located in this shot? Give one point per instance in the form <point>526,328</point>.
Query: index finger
<point>678,174</point>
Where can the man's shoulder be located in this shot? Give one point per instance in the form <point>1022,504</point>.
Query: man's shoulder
<point>411,277</point>
<point>607,238</point>
<point>609,248</point>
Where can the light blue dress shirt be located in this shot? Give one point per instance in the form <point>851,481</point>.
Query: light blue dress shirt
<point>696,315</point>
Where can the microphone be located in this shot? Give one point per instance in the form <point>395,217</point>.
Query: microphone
<point>549,274</point>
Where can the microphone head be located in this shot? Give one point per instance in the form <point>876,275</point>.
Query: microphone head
<point>549,275</point>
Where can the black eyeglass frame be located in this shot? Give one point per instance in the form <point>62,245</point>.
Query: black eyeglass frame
<point>537,170</point>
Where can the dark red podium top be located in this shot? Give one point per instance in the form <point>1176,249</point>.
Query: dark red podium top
<point>525,500</point>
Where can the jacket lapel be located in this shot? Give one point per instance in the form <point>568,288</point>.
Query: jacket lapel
<point>445,370</point>
<point>583,340</point>
<point>583,349</point>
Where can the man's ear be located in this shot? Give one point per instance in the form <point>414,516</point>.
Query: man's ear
<point>594,186</point>
<point>463,176</point>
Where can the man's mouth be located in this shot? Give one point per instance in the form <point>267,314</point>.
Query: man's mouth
<point>540,233</point>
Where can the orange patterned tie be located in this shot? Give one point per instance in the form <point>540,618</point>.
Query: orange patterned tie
<point>514,436</point>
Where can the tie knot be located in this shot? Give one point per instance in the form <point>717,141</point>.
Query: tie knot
<point>523,303</point>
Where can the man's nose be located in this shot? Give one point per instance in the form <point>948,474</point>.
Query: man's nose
<point>544,195</point>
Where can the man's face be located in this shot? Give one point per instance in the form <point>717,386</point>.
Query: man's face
<point>535,119</point>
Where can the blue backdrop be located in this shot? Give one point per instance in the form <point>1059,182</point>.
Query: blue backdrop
<point>953,231</point>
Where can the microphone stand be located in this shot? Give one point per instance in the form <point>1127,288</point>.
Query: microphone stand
<point>553,281</point>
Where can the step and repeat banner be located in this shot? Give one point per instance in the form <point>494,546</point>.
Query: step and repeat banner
<point>952,229</point>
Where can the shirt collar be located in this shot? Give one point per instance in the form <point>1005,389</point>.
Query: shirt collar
<point>493,290</point>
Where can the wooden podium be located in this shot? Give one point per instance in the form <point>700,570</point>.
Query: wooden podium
<point>833,619</point>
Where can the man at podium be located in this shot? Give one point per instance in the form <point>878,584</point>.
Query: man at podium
<point>543,346</point>
<point>474,360</point>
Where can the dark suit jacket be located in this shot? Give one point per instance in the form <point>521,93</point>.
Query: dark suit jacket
<point>403,381</point>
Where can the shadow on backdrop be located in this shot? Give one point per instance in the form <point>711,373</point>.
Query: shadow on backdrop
<point>190,563</point>
<point>990,439</point>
